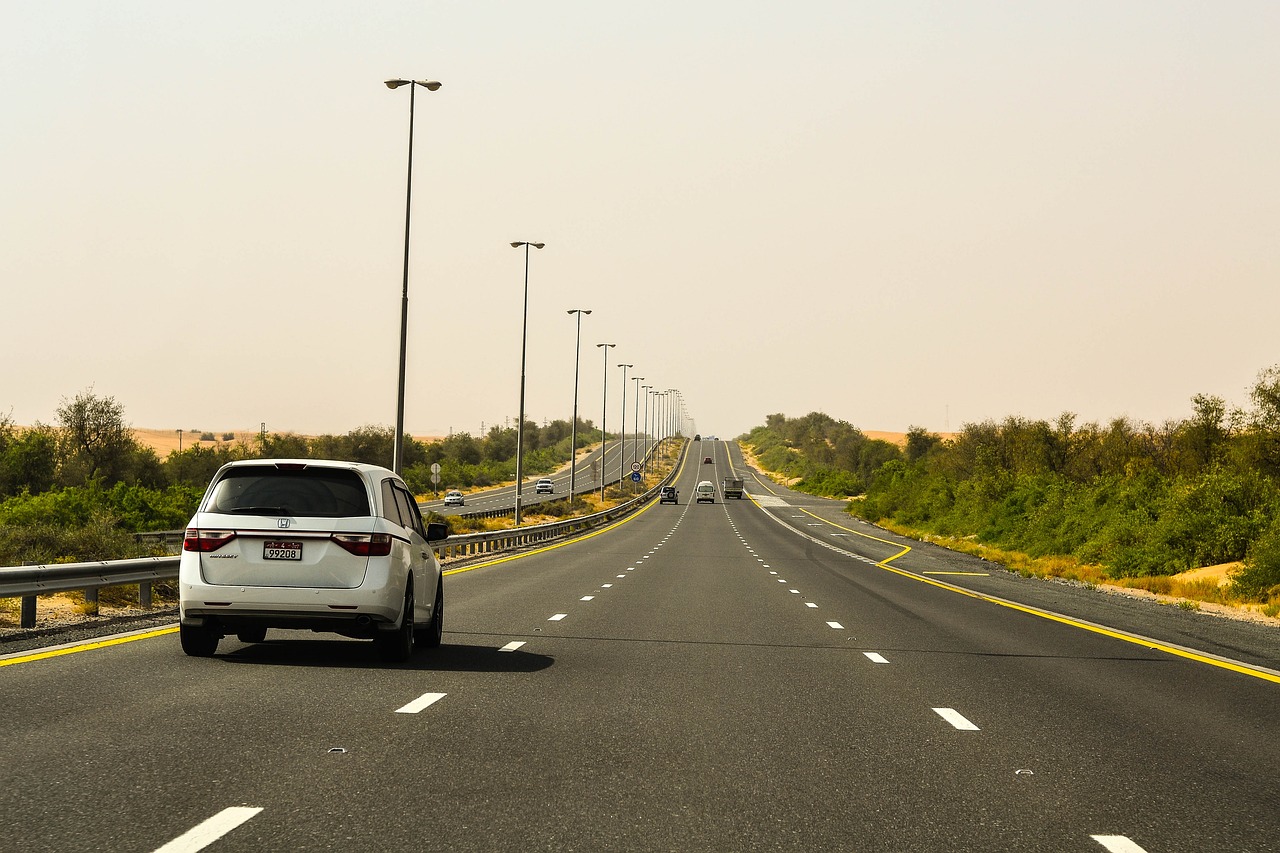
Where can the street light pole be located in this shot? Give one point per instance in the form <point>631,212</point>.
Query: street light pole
<point>604,410</point>
<point>524,337</point>
<point>622,433</point>
<point>648,389</point>
<point>397,451</point>
<point>635,420</point>
<point>573,429</point>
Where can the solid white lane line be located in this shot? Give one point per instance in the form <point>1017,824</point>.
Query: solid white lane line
<point>1117,844</point>
<point>200,837</point>
<point>954,717</point>
<point>586,598</point>
<point>423,701</point>
<point>557,617</point>
<point>875,657</point>
<point>512,646</point>
<point>836,625</point>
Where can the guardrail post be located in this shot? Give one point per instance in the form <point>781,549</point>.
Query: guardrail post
<point>28,619</point>
<point>91,601</point>
<point>144,595</point>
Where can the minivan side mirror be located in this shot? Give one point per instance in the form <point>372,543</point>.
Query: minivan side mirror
<point>437,531</point>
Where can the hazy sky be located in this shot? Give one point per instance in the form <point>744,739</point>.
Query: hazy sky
<point>899,213</point>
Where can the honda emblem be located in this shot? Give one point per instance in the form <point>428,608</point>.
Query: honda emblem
<point>282,522</point>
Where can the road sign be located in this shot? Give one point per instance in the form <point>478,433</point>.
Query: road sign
<point>435,467</point>
<point>435,479</point>
<point>635,476</point>
<point>635,466</point>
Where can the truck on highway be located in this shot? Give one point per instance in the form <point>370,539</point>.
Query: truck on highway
<point>731,487</point>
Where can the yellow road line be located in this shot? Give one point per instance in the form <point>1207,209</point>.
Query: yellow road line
<point>1135,639</point>
<point>85,647</point>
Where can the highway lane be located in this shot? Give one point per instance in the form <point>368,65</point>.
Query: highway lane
<point>616,456</point>
<point>697,678</point>
<point>826,521</point>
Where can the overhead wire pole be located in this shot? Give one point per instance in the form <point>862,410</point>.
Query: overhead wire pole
<point>604,411</point>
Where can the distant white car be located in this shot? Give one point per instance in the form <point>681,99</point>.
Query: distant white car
<point>314,545</point>
<point>454,498</point>
<point>544,487</point>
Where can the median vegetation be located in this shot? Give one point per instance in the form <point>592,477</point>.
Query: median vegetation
<point>1124,501</point>
<point>80,489</point>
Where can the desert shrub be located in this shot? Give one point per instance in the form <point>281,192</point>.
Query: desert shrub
<point>1259,578</point>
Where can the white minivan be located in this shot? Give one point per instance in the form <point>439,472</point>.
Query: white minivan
<point>314,545</point>
<point>705,492</point>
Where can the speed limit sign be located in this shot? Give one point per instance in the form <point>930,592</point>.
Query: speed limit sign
<point>635,466</point>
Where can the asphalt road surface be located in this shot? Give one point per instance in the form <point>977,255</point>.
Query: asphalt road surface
<point>747,675</point>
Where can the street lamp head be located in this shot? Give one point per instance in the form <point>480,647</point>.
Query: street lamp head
<point>626,365</point>
<point>429,85</point>
<point>578,311</point>
<point>606,345</point>
<point>518,244</point>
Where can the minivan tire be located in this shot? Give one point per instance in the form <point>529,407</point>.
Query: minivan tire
<point>430,636</point>
<point>396,646</point>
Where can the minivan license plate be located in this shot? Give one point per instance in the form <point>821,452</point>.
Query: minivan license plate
<point>282,550</point>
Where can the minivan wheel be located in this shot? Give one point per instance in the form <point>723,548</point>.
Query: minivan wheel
<point>198,642</point>
<point>431,635</point>
<point>396,646</point>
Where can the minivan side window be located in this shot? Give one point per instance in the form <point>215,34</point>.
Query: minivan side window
<point>409,510</point>
<point>390,508</point>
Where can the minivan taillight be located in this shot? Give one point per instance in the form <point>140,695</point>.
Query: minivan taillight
<point>365,544</point>
<point>206,540</point>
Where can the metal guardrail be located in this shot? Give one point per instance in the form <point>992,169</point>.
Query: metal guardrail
<point>27,582</point>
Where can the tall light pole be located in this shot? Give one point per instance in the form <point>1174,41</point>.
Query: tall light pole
<point>622,433</point>
<point>635,419</point>
<point>397,451</point>
<point>573,429</point>
<point>604,410</point>
<point>524,337</point>
<point>648,389</point>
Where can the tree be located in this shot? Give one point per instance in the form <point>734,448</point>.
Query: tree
<point>98,442</point>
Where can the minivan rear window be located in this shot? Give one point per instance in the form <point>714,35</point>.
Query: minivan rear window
<point>268,490</point>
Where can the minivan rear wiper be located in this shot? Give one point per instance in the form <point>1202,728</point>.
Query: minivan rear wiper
<point>257,510</point>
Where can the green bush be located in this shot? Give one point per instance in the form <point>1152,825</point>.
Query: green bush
<point>1259,579</point>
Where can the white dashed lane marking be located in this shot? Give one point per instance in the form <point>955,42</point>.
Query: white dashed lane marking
<point>557,617</point>
<point>210,831</point>
<point>836,625</point>
<point>512,646</point>
<point>1117,844</point>
<point>954,717</point>
<point>423,701</point>
<point>875,657</point>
